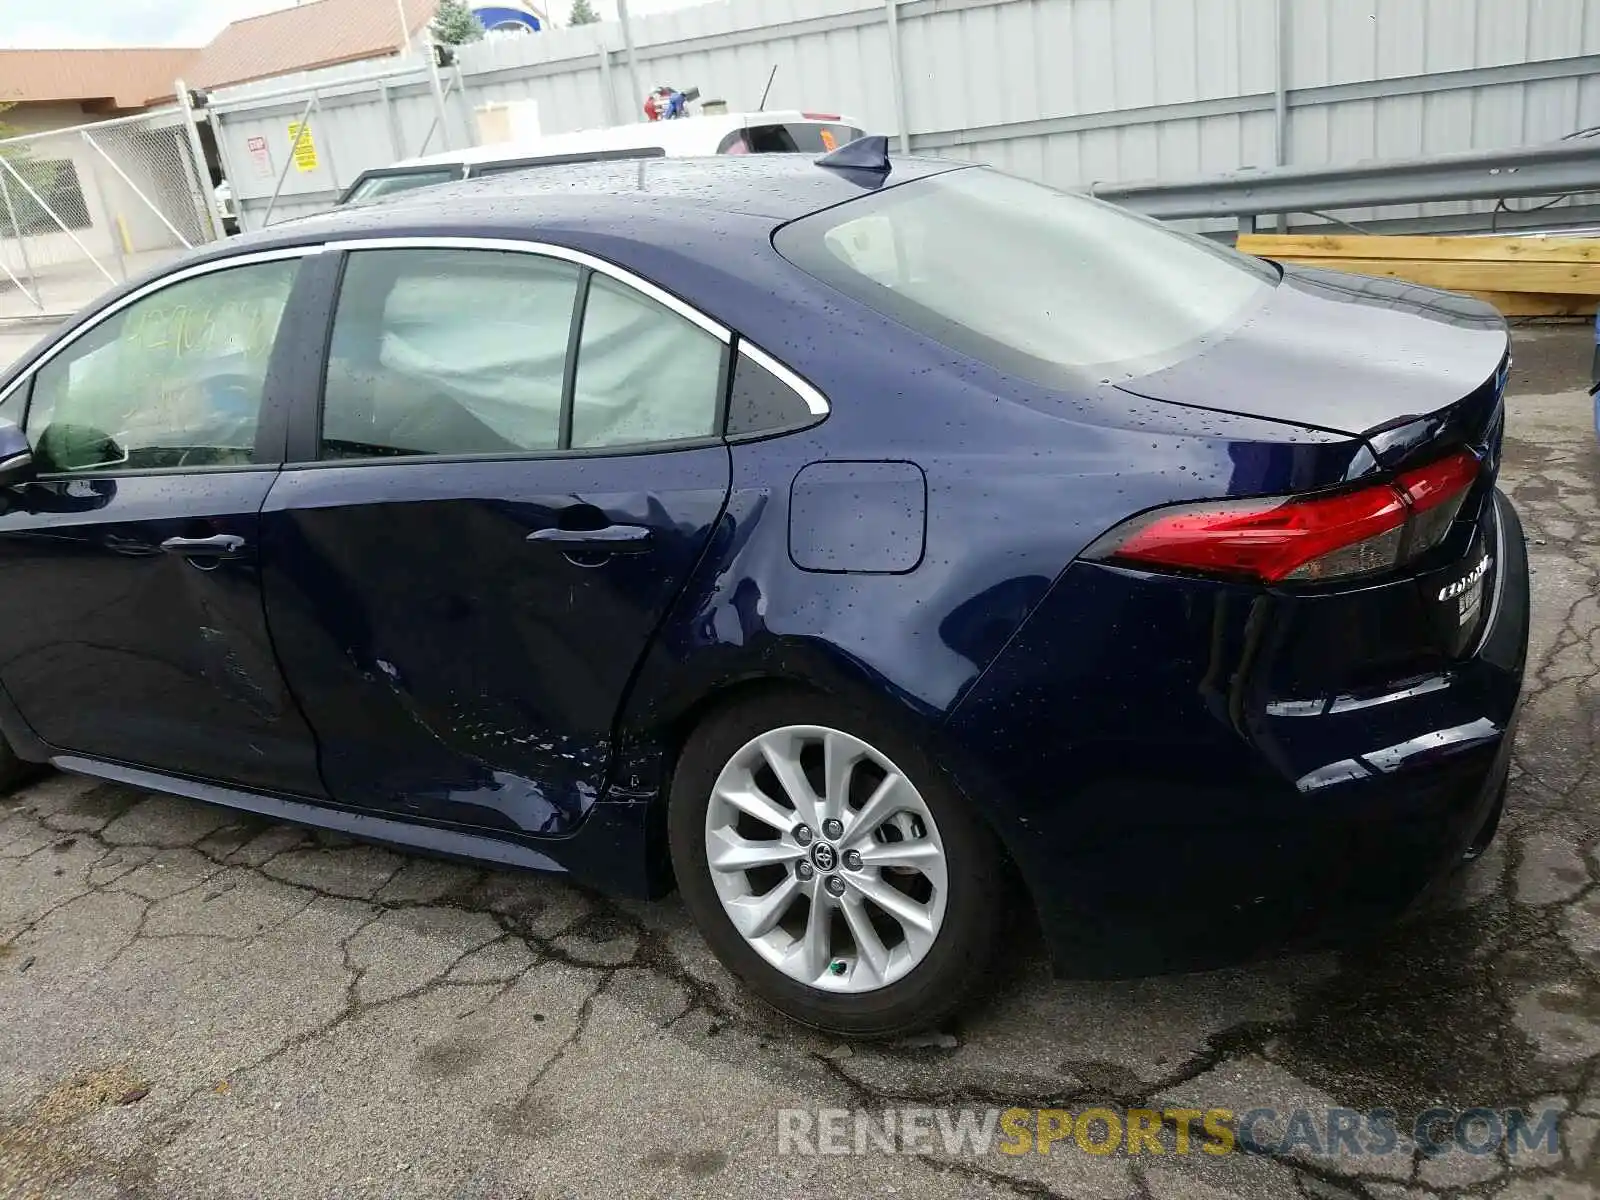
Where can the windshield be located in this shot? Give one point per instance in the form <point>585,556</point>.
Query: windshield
<point>374,187</point>
<point>1040,283</point>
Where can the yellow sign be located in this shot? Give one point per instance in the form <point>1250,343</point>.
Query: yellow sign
<point>305,150</point>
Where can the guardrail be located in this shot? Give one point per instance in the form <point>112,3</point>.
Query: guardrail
<point>1561,168</point>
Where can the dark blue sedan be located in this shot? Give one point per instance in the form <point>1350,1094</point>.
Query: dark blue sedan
<point>888,555</point>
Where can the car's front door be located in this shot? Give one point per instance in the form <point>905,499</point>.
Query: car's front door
<point>515,469</point>
<point>131,624</point>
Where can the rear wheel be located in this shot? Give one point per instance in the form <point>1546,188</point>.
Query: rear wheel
<point>832,867</point>
<point>1484,838</point>
<point>14,771</point>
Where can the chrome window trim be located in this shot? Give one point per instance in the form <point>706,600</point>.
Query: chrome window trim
<point>155,285</point>
<point>815,400</point>
<point>548,250</point>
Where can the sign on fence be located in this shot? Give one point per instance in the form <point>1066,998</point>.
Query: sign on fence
<point>305,150</point>
<point>260,156</point>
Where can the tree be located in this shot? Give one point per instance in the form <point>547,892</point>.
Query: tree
<point>453,24</point>
<point>583,13</point>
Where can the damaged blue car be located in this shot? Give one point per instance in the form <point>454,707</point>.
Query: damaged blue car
<point>891,555</point>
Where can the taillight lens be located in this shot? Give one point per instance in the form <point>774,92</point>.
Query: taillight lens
<point>1435,493</point>
<point>1304,539</point>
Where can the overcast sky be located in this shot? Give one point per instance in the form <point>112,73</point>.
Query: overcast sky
<point>25,23</point>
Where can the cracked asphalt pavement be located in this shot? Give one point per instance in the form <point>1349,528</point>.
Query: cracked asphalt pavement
<point>196,1003</point>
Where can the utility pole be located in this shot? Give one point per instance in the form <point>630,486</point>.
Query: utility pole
<point>431,50</point>
<point>633,67</point>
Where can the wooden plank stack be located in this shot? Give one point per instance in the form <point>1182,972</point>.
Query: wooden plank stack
<point>1521,276</point>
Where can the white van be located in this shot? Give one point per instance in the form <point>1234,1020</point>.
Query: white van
<point>686,137</point>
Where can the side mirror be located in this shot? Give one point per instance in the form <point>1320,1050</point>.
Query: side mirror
<point>16,457</point>
<point>67,447</point>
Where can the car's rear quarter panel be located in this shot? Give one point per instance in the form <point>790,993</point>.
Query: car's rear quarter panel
<point>1171,809</point>
<point>1019,479</point>
<point>1110,725</point>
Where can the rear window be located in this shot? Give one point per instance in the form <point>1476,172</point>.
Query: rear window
<point>1044,284</point>
<point>374,187</point>
<point>789,137</point>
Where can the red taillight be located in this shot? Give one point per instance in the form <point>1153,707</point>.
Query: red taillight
<point>1438,482</point>
<point>820,116</point>
<point>1300,540</point>
<point>1435,493</point>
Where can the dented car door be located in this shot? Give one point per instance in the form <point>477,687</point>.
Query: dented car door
<point>131,624</point>
<point>514,469</point>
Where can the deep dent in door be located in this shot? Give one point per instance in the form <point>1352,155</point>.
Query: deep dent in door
<point>455,672</point>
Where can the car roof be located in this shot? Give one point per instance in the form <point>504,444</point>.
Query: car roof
<point>689,135</point>
<point>620,198</point>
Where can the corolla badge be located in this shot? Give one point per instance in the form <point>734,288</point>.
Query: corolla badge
<point>1451,590</point>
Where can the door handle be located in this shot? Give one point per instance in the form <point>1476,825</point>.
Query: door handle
<point>221,545</point>
<point>610,539</point>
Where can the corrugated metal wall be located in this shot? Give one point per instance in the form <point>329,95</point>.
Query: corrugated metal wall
<point>1069,91</point>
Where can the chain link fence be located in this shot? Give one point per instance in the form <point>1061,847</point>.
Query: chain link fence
<point>84,208</point>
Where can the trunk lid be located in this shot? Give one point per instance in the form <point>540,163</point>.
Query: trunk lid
<point>1406,367</point>
<point>1416,374</point>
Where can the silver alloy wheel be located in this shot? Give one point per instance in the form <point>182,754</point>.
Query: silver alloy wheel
<point>826,858</point>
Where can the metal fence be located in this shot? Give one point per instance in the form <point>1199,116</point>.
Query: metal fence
<point>291,149</point>
<point>1567,169</point>
<point>86,207</point>
<point>1073,92</point>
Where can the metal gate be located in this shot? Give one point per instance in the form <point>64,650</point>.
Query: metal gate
<point>87,207</point>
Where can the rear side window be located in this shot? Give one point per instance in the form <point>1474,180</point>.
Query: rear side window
<point>645,374</point>
<point>789,137</point>
<point>461,352</point>
<point>375,187</point>
<point>447,352</point>
<point>1044,284</point>
<point>761,403</point>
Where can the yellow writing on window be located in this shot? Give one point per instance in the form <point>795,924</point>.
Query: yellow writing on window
<point>181,331</point>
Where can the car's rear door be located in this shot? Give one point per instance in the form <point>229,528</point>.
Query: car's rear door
<point>514,469</point>
<point>131,624</point>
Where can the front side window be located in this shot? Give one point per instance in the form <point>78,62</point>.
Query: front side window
<point>1045,284</point>
<point>174,380</point>
<point>447,352</point>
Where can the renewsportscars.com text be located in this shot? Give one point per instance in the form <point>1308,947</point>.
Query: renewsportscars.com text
<point>1103,1130</point>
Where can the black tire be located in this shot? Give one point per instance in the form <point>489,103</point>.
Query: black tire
<point>14,771</point>
<point>960,963</point>
<point>1484,838</point>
